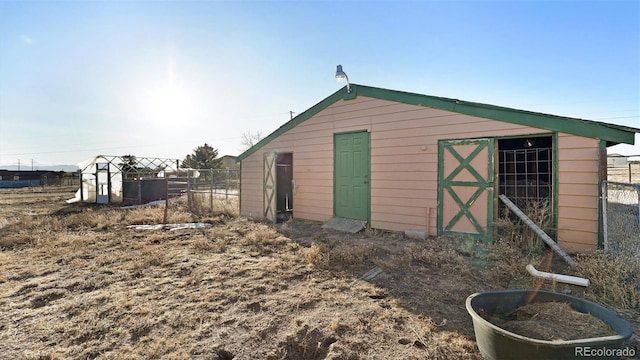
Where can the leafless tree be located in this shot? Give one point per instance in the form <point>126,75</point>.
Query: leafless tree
<point>249,139</point>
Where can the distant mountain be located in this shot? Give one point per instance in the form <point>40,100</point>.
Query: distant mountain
<point>69,168</point>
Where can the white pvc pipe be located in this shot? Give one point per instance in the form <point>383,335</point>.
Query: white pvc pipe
<point>558,277</point>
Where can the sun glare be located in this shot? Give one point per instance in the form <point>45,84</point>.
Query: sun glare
<point>169,105</point>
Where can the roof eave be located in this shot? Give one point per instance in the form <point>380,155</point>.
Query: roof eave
<point>588,128</point>
<point>612,134</point>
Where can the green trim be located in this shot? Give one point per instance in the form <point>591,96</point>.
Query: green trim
<point>370,181</point>
<point>602,149</point>
<point>240,191</point>
<point>482,185</point>
<point>593,129</point>
<point>439,195</point>
<point>351,95</point>
<point>555,173</point>
<point>587,128</point>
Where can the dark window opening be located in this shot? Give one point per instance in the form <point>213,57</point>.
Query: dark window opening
<point>525,173</point>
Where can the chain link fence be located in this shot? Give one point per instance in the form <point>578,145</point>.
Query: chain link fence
<point>206,191</point>
<point>621,216</point>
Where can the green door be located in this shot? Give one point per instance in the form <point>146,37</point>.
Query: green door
<point>351,175</point>
<point>465,187</point>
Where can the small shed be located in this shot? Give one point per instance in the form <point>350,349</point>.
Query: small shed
<point>402,161</point>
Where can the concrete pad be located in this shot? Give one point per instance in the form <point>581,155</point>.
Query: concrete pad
<point>416,234</point>
<point>342,224</point>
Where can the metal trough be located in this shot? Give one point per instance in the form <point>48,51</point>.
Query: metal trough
<point>496,343</point>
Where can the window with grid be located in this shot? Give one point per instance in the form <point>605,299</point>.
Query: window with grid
<point>525,170</point>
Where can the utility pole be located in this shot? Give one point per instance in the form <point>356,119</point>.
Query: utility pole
<point>291,114</point>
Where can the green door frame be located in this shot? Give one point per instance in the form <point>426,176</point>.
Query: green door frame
<point>554,170</point>
<point>483,183</point>
<point>364,178</point>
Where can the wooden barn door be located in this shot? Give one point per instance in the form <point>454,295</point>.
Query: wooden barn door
<point>465,187</point>
<point>269,182</point>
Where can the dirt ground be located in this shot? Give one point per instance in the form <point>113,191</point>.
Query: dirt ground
<point>76,282</point>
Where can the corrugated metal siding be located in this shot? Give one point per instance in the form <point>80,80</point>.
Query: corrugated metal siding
<point>404,167</point>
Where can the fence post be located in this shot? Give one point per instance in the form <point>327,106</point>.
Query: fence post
<point>189,189</point>
<point>81,189</point>
<point>605,238</point>
<point>166,200</point>
<point>211,191</point>
<point>226,185</point>
<point>638,202</point>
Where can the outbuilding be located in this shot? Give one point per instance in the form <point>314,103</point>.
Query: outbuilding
<point>26,178</point>
<point>401,161</point>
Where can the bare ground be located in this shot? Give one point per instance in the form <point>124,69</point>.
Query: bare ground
<point>75,282</point>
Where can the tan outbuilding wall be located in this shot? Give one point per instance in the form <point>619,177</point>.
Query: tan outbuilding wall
<point>578,189</point>
<point>404,166</point>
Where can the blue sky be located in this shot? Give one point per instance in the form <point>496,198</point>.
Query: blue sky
<point>78,79</point>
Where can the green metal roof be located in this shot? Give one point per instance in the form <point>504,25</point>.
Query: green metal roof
<point>611,133</point>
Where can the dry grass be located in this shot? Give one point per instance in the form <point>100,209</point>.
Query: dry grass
<point>204,204</point>
<point>551,321</point>
<point>614,275</point>
<point>614,278</point>
<point>77,283</point>
<point>509,228</point>
<point>621,173</point>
